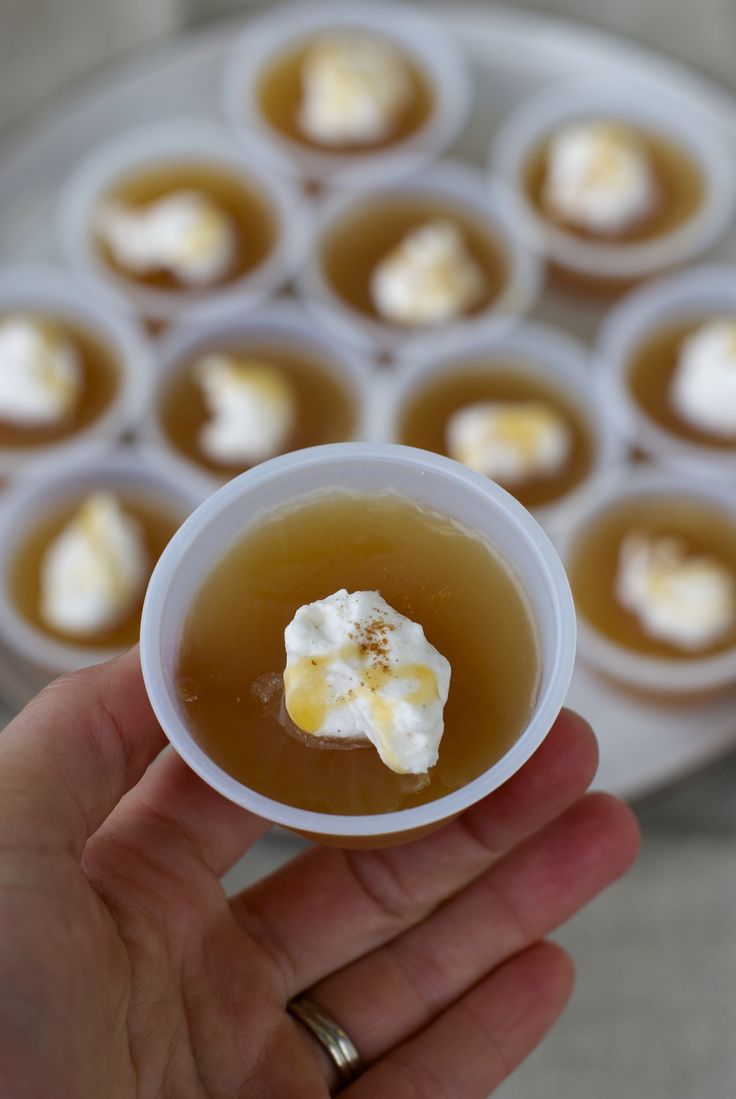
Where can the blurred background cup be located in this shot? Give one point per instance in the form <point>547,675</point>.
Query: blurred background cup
<point>425,41</point>
<point>162,146</point>
<point>687,676</point>
<point>452,186</point>
<point>283,327</point>
<point>680,302</point>
<point>48,293</point>
<point>56,488</point>
<point>641,105</point>
<point>533,354</point>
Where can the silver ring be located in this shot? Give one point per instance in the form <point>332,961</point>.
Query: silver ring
<point>330,1035</point>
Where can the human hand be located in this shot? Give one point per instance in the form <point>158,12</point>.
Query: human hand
<point>125,971</point>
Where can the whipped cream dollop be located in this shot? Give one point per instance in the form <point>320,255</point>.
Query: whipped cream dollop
<point>354,88</point>
<point>703,387</point>
<point>252,409</point>
<point>184,234</point>
<point>685,599</point>
<point>510,441</point>
<point>599,177</point>
<point>356,669</point>
<point>94,572</point>
<point>40,373</point>
<point>429,277</point>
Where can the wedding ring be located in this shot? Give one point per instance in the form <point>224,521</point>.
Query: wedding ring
<point>330,1035</point>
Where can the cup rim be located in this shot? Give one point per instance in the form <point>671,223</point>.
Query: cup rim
<point>548,353</point>
<point>137,147</point>
<point>418,33</point>
<point>660,675</point>
<point>279,316</point>
<point>27,287</point>
<point>642,102</point>
<point>637,316</point>
<point>19,510</point>
<point>463,186</point>
<point>546,708</point>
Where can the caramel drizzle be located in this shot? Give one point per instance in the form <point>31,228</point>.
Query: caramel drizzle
<point>307,687</point>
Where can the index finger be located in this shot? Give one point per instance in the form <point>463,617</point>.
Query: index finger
<point>71,754</point>
<point>328,906</point>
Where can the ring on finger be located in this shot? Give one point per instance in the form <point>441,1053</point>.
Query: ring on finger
<point>335,1041</point>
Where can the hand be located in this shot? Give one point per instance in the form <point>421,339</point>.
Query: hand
<point>125,971</point>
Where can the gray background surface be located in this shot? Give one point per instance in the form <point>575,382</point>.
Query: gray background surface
<point>654,1011</point>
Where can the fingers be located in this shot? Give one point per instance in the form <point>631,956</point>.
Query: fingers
<point>476,1043</point>
<point>72,753</point>
<point>68,760</point>
<point>388,995</point>
<point>175,820</point>
<point>328,907</point>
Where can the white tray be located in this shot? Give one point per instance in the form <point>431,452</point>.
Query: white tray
<point>642,746</point>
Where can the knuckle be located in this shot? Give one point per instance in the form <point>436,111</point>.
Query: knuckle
<point>381,885</point>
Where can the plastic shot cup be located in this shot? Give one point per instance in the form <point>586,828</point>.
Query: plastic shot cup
<point>422,478</point>
<point>659,677</point>
<point>48,490</point>
<point>641,105</point>
<point>282,325</point>
<point>458,187</point>
<point>162,146</point>
<point>537,353</point>
<point>422,39</point>
<point>699,295</point>
<point>49,292</point>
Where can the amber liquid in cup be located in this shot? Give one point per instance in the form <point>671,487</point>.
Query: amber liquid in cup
<point>678,178</point>
<point>593,566</point>
<point>100,379</point>
<point>426,413</point>
<point>157,525</point>
<point>232,655</point>
<point>360,239</point>
<point>250,213</point>
<point>650,375</point>
<point>280,94</point>
<point>325,409</point>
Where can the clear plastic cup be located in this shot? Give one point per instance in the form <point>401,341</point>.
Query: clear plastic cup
<point>468,191</point>
<point>649,675</point>
<point>535,351</point>
<point>423,478</point>
<point>50,291</point>
<point>47,490</point>
<point>698,294</point>
<point>145,148</point>
<point>283,324</point>
<point>670,115</point>
<point>418,36</point>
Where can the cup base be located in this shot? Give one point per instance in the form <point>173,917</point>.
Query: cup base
<point>362,843</point>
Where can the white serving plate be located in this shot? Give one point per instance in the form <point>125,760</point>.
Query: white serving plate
<point>643,745</point>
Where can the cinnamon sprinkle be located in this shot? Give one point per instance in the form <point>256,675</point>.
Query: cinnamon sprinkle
<point>373,640</point>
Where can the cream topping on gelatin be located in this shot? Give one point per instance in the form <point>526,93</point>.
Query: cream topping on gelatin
<point>183,233</point>
<point>687,600</point>
<point>252,409</point>
<point>356,669</point>
<point>354,87</point>
<point>510,441</point>
<point>599,177</point>
<point>94,571</point>
<point>429,277</point>
<point>40,373</point>
<point>703,388</point>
